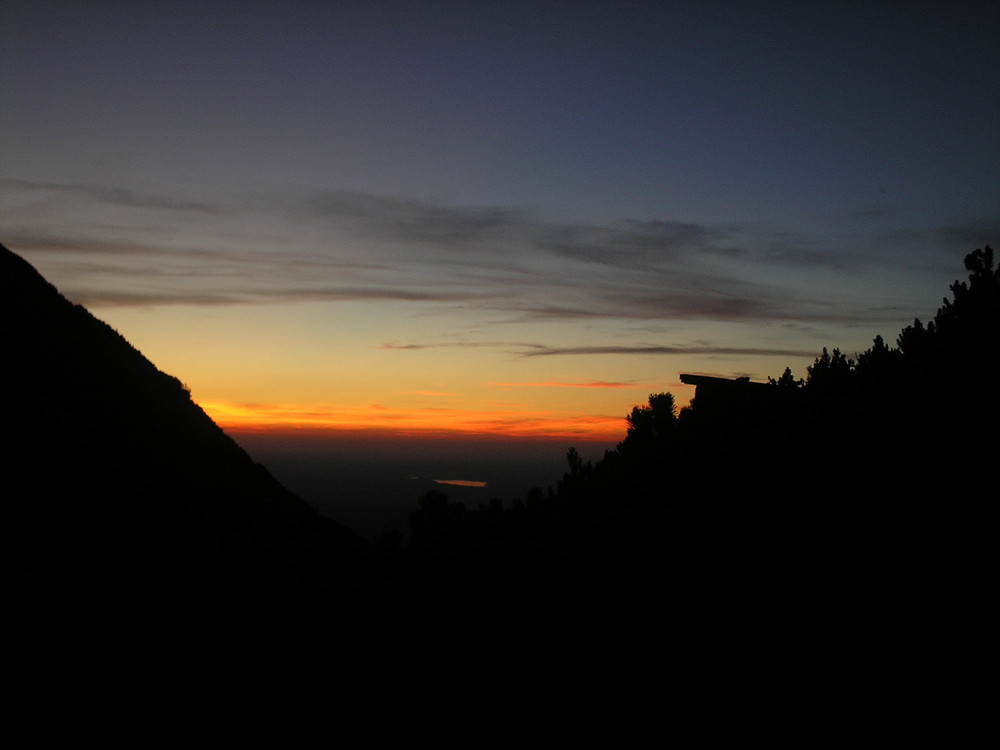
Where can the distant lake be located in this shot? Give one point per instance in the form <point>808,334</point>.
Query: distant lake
<point>372,484</point>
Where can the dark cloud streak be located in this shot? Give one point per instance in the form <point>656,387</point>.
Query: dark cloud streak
<point>529,350</point>
<point>118,196</point>
<point>663,350</point>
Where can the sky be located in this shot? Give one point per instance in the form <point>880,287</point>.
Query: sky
<point>505,218</point>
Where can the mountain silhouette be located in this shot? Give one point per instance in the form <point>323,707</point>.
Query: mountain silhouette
<point>124,492</point>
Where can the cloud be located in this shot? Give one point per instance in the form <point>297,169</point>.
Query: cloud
<point>105,298</point>
<point>560,384</point>
<point>549,351</point>
<point>450,345</point>
<point>43,241</point>
<point>150,299</point>
<point>113,195</point>
<point>874,213</point>
<point>499,264</point>
<point>351,293</point>
<point>632,243</point>
<point>524,349</point>
<point>639,305</point>
<point>410,220</point>
<point>972,235</point>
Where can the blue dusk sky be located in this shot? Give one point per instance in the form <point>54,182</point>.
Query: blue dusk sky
<point>512,218</point>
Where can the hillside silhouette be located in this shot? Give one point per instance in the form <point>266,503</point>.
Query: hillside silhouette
<point>125,491</point>
<point>865,486</point>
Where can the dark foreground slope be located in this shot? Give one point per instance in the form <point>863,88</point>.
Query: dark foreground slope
<point>123,491</point>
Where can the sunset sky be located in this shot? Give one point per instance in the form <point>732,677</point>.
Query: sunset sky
<point>513,217</point>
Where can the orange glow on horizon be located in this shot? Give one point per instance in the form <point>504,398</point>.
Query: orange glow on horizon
<point>413,421</point>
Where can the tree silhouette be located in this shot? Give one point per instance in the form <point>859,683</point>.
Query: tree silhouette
<point>830,371</point>
<point>651,426</point>
<point>787,380</point>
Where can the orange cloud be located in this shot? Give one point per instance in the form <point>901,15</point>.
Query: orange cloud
<point>560,384</point>
<point>415,421</point>
<point>426,393</point>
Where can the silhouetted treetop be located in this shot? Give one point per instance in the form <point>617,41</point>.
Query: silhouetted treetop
<point>651,424</point>
<point>830,370</point>
<point>787,380</point>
